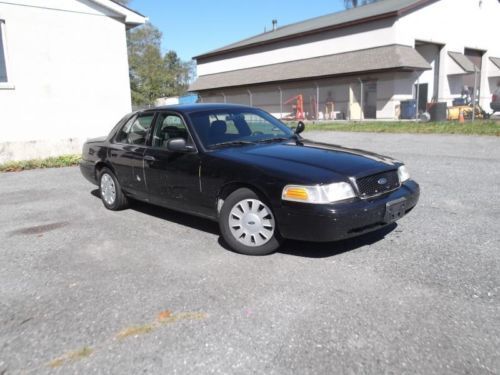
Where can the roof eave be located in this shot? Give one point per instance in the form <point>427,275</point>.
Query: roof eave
<point>341,75</point>
<point>412,7</point>
<point>495,61</point>
<point>130,17</point>
<point>305,33</point>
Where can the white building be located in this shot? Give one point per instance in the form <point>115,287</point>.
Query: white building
<point>63,74</point>
<point>368,59</point>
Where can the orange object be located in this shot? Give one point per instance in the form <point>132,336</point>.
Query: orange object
<point>461,117</point>
<point>299,112</point>
<point>296,193</point>
<point>164,315</point>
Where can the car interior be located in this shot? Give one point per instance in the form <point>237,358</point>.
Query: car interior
<point>171,127</point>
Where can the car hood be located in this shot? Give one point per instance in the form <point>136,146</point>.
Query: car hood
<point>312,158</point>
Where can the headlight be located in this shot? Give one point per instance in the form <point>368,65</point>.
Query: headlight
<point>403,174</point>
<point>318,194</point>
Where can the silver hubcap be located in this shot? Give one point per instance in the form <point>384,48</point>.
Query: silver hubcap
<point>108,190</point>
<point>251,222</point>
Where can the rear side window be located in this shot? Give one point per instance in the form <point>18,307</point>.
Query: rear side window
<point>135,131</point>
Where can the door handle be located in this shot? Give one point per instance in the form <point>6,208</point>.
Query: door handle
<point>149,158</point>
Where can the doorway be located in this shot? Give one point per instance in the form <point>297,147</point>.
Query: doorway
<point>370,99</point>
<point>422,91</point>
<point>476,56</point>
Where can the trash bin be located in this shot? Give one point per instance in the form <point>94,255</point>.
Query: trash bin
<point>438,111</point>
<point>459,101</point>
<point>408,109</point>
<point>339,116</point>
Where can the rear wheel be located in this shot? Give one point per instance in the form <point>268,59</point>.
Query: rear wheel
<point>247,224</point>
<point>111,191</point>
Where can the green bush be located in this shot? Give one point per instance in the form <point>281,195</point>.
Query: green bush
<point>52,162</point>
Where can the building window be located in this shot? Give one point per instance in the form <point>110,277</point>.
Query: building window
<point>4,72</point>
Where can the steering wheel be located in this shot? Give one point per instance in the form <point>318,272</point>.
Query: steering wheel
<point>258,132</point>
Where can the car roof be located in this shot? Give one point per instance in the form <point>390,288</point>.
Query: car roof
<point>198,107</point>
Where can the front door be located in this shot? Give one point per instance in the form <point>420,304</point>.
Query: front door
<point>126,154</point>
<point>370,99</point>
<point>172,178</point>
<point>355,112</point>
<point>422,91</point>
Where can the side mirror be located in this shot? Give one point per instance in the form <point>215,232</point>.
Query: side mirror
<point>178,145</point>
<point>300,127</point>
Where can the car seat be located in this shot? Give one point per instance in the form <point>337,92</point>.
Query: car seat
<point>217,131</point>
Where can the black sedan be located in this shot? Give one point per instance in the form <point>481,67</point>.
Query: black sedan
<point>247,170</point>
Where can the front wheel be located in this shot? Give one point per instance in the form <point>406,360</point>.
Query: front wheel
<point>247,224</point>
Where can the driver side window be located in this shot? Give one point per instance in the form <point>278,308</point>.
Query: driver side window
<point>169,126</point>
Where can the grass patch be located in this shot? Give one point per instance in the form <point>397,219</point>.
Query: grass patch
<point>52,162</point>
<point>490,127</point>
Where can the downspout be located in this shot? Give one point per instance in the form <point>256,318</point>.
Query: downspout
<point>474,94</point>
<point>281,102</point>
<point>224,95</point>
<point>417,101</point>
<point>317,100</point>
<point>251,97</point>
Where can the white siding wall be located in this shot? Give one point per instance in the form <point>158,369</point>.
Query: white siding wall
<point>457,24</point>
<point>359,37</point>
<point>70,73</point>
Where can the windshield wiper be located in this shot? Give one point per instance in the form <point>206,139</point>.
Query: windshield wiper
<point>272,140</point>
<point>232,143</point>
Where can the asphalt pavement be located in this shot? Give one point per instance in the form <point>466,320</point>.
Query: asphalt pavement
<point>148,290</point>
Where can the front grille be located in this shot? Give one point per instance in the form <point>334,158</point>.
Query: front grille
<point>377,184</point>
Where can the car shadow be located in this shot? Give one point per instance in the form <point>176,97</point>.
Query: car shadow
<point>289,247</point>
<point>177,217</point>
<point>329,249</point>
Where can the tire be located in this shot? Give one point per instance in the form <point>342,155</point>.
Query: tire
<point>111,192</point>
<point>247,224</point>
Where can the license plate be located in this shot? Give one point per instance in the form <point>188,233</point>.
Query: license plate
<point>395,210</point>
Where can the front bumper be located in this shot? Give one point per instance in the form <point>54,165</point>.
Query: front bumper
<point>324,223</point>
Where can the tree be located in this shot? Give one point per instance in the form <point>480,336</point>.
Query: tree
<point>356,3</point>
<point>152,75</point>
<point>181,73</point>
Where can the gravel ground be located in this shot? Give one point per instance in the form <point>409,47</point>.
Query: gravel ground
<point>86,290</point>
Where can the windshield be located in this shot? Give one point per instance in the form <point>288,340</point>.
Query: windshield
<point>237,127</point>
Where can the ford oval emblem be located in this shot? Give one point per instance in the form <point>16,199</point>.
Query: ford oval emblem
<point>382,181</point>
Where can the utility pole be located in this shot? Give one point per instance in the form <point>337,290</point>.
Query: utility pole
<point>474,94</point>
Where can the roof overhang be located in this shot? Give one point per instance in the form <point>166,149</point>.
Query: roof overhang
<point>380,59</point>
<point>361,15</point>
<point>460,64</point>
<point>494,68</point>
<point>130,17</point>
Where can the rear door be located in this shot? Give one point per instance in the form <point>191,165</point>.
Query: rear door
<point>172,177</point>
<point>126,153</point>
